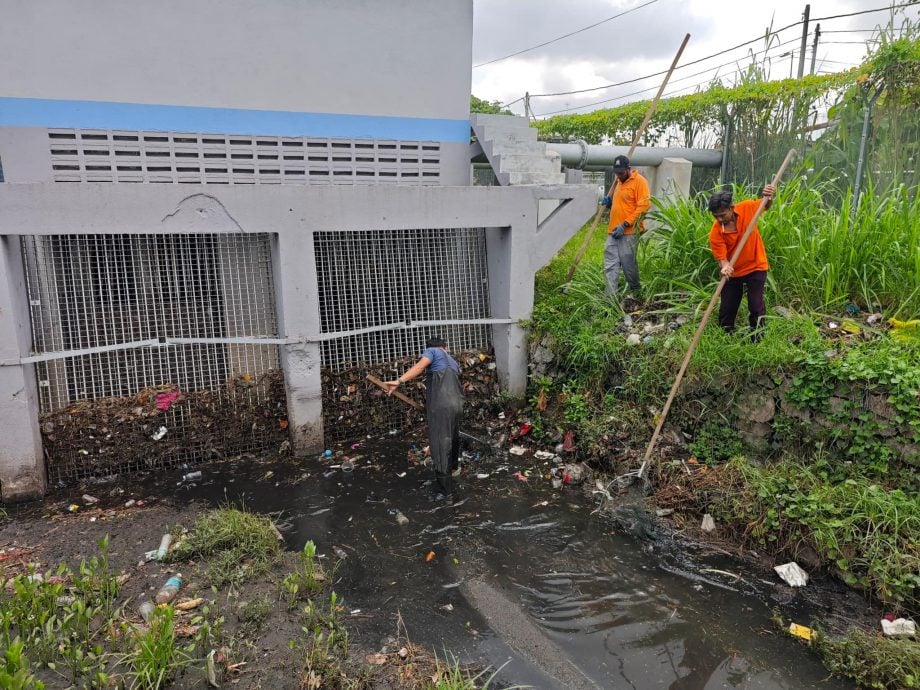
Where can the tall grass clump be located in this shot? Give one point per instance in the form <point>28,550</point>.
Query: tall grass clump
<point>235,543</point>
<point>821,257</point>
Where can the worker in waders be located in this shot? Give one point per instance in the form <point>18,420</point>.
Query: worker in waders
<point>444,404</point>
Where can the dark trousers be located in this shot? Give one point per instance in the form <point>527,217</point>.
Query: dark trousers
<point>731,300</point>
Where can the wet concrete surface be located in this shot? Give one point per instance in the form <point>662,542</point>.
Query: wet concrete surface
<point>524,578</point>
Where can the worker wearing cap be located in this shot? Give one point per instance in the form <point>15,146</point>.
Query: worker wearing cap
<point>750,269</point>
<point>631,200</point>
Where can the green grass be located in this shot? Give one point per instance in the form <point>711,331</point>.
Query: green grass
<point>156,656</point>
<point>865,531</point>
<point>236,544</point>
<point>873,661</point>
<point>306,578</point>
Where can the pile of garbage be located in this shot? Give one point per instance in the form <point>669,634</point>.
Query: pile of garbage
<point>353,407</point>
<point>164,426</point>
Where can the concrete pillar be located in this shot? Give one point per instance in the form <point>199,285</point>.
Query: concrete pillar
<point>573,176</point>
<point>511,297</point>
<point>672,180</point>
<point>22,466</point>
<point>294,270</point>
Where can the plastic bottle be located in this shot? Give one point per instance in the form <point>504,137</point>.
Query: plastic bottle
<point>169,590</point>
<point>165,543</point>
<point>192,476</point>
<point>146,609</point>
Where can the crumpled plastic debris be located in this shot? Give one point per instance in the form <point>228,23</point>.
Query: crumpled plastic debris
<point>160,433</point>
<point>520,476</point>
<point>800,631</point>
<point>792,574</point>
<point>573,473</point>
<point>708,524</point>
<point>544,455</point>
<point>517,450</point>
<point>165,400</point>
<point>900,627</point>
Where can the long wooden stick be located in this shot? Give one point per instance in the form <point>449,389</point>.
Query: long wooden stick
<point>646,462</point>
<point>402,396</point>
<point>632,149</point>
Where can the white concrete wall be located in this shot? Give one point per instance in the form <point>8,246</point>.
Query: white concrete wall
<point>407,58</point>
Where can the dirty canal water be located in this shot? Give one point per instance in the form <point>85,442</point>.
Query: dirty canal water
<point>522,576</point>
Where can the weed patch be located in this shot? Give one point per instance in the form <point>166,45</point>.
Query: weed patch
<point>237,545</point>
<point>873,661</point>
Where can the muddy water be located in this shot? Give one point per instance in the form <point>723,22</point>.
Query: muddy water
<point>524,578</point>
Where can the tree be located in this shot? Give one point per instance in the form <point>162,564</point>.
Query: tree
<point>477,105</point>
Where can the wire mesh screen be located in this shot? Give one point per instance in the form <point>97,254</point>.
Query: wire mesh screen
<point>377,278</point>
<point>105,292</point>
<point>382,277</point>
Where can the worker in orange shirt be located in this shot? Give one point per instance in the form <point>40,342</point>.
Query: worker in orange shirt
<point>750,270</point>
<point>631,200</point>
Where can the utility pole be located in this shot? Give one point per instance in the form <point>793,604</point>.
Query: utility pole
<point>804,41</point>
<point>814,48</point>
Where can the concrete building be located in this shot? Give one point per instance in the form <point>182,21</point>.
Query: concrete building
<point>198,194</point>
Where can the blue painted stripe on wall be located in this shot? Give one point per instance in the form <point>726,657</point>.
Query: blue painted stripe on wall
<point>38,112</point>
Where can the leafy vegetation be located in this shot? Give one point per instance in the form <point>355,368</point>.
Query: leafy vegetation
<point>477,105</point>
<point>306,578</point>
<point>757,120</point>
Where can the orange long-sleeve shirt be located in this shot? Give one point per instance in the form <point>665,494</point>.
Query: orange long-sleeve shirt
<point>754,255</point>
<point>631,199</point>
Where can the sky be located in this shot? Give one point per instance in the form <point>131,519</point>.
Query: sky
<point>644,41</point>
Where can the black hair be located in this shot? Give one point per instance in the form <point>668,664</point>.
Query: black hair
<point>720,200</point>
<point>435,341</point>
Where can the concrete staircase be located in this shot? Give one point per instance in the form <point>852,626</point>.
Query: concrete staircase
<point>513,151</point>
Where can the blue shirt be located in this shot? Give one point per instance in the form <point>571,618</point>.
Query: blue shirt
<point>440,360</point>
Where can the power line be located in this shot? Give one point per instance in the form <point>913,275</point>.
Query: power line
<point>689,76</point>
<point>559,38</point>
<point>723,52</point>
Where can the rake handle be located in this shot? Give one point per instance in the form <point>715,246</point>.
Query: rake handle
<point>646,461</point>
<point>632,149</point>
<point>402,396</point>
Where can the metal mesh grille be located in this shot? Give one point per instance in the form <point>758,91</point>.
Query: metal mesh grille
<point>103,291</point>
<point>171,157</point>
<point>381,277</point>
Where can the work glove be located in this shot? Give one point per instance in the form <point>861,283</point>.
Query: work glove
<point>606,202</point>
<point>619,231</point>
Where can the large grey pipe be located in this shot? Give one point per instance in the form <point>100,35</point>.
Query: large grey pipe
<point>583,156</point>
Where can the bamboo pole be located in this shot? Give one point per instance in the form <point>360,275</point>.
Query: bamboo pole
<point>399,394</point>
<point>646,461</point>
<point>632,149</point>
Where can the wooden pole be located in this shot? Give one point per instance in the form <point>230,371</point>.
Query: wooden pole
<point>632,149</point>
<point>646,461</point>
<point>402,396</point>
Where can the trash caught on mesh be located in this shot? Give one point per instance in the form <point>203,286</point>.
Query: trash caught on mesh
<point>792,574</point>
